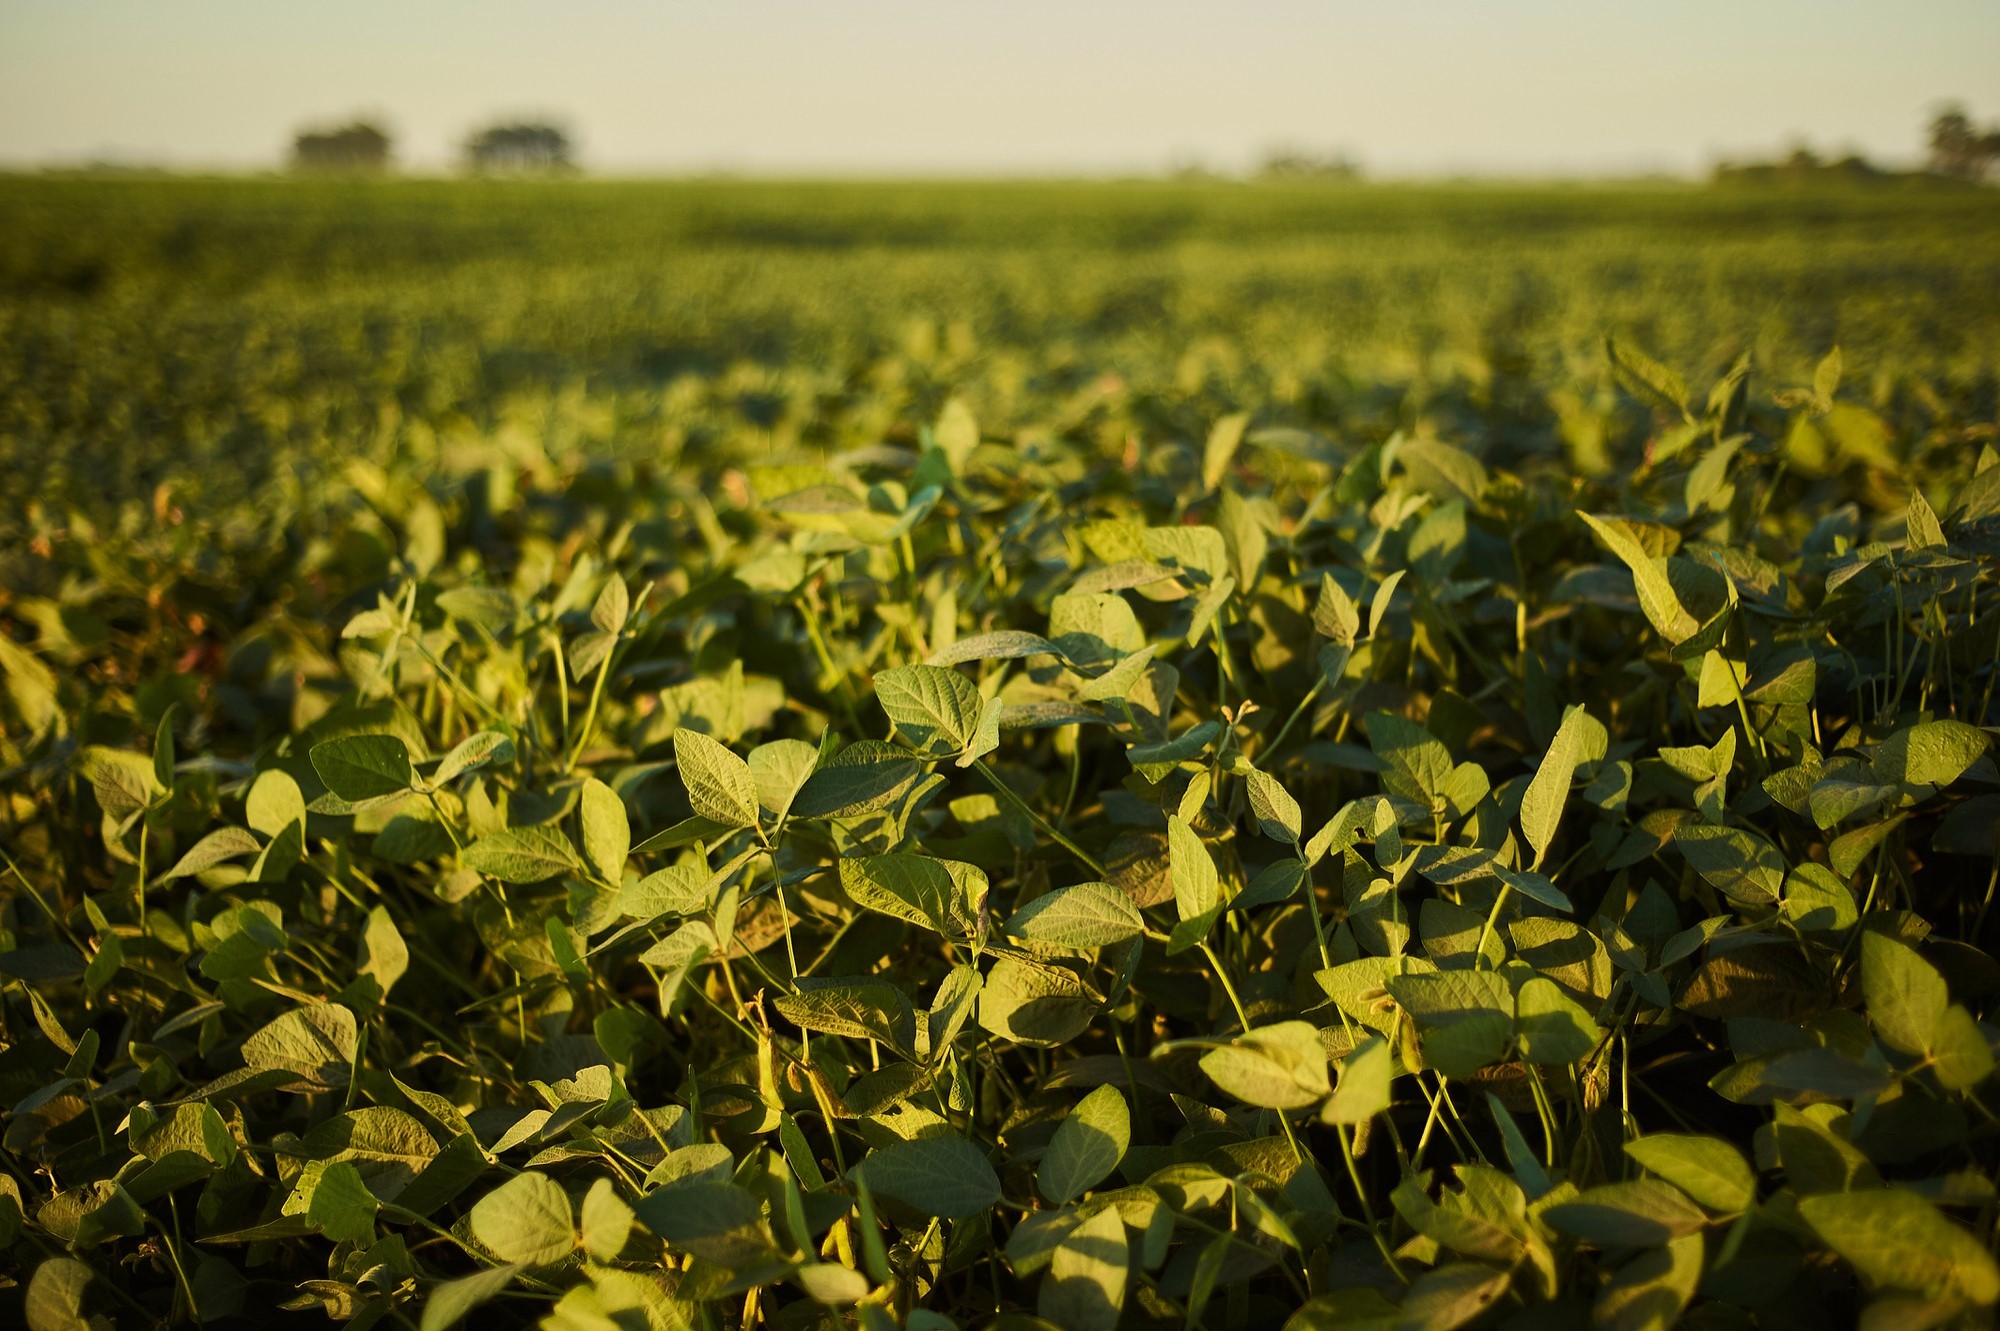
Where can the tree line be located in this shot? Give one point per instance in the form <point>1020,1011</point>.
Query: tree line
<point>1957,150</point>
<point>366,147</point>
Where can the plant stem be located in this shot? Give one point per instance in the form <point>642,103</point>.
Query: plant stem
<point>1007,792</point>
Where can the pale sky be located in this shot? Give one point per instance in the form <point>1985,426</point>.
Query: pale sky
<point>976,86</point>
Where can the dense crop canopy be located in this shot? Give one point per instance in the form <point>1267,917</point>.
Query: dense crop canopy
<point>1215,877</point>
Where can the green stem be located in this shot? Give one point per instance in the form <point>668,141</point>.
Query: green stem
<point>1297,712</point>
<point>1367,1207</point>
<point>1007,792</point>
<point>1222,974</point>
<point>145,930</point>
<point>590,714</point>
<point>1492,919</point>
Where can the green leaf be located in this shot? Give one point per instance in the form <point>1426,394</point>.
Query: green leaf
<point>1084,1289</point>
<point>1929,753</point>
<point>1197,890</point>
<point>860,1009</point>
<point>55,1295</point>
<point>1450,1296</point>
<point>986,735</point>
<point>383,953</point>
<point>612,607</point>
<point>488,607</point>
<point>1335,615</point>
<point>606,1221</point>
<point>1356,1308</point>
<point>1082,915</point>
<point>719,784</point>
<point>1826,376</point>
<point>1534,887</point>
<point>713,1219</point>
<point>1363,1091</point>
<point>678,954</point>
<point>1707,1169</point>
<point>448,1303</point>
<point>936,709</point>
<point>224,843</point>
<point>274,803</point>
<point>1925,531</point>
<point>940,1176</point>
<point>123,781</point>
<point>1415,764</point>
<point>1035,1004</point>
<point>163,750</point>
<point>957,432</point>
<point>686,832</point>
<point>361,768</point>
<point>607,834</point>
<point>864,776</point>
<point>1961,1057</point>
<point>527,1219</point>
<point>1542,806</point>
<point>1650,1292</point>
<point>588,651</point>
<point>1086,1147</point>
<point>1647,378</point>
<point>999,645</point>
<point>1740,864</point>
<point>1817,901</point>
<point>1283,1066</point>
<point>832,1285</point>
<point>1906,996</point>
<point>779,769</point>
<point>941,895</point>
<point>488,746</point>
<point>1649,575</point>
<point>1441,471</point>
<point>1378,608</point>
<point>342,1206</point>
<point>523,855</point>
<point>1552,1028</point>
<point>1224,437</point>
<point>1276,811</point>
<point>1154,761</point>
<point>317,1042</point>
<point>678,889</point>
<point>1897,1240</point>
<point>1640,1214</point>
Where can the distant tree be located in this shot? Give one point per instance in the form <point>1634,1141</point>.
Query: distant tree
<point>521,148</point>
<point>362,147</point>
<point>1958,148</point>
<point>1296,163</point>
